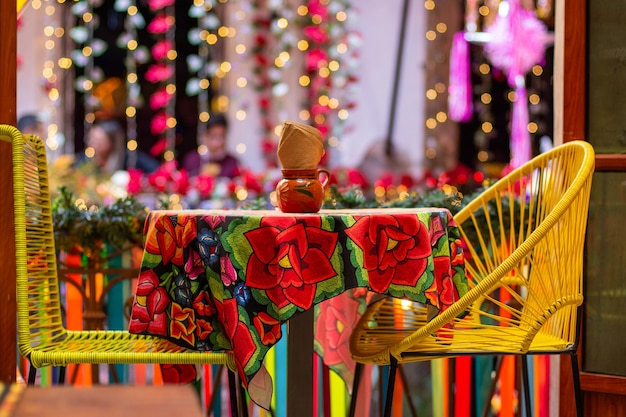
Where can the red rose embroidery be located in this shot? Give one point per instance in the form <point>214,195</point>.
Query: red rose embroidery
<point>170,240</point>
<point>203,305</point>
<point>203,329</point>
<point>337,318</point>
<point>182,325</point>
<point>443,286</point>
<point>151,301</point>
<point>237,332</point>
<point>289,258</point>
<point>395,249</point>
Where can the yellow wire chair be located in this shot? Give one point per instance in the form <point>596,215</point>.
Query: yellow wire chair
<point>528,250</point>
<point>42,337</point>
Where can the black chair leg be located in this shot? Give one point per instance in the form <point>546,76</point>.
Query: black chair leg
<point>578,395</point>
<point>393,367</point>
<point>526,386</point>
<point>232,386</point>
<point>242,400</point>
<point>61,380</point>
<point>355,388</point>
<point>32,374</point>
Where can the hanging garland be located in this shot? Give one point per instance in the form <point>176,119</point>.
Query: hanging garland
<point>329,51</point>
<point>260,51</point>
<point>163,73</point>
<point>331,55</point>
<point>135,56</point>
<point>88,47</point>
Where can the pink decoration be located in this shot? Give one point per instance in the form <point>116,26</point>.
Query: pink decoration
<point>161,48</point>
<point>521,150</point>
<point>134,181</point>
<point>159,99</point>
<point>315,33</point>
<point>317,8</point>
<point>517,42</point>
<point>160,24</point>
<point>159,72</point>
<point>158,147</point>
<point>158,124</point>
<point>314,57</point>
<point>460,90</point>
<point>159,4</point>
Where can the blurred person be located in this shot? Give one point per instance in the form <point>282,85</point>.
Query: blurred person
<point>30,124</point>
<point>107,140</point>
<point>212,156</point>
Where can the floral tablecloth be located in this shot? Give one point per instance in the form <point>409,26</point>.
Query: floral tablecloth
<point>221,280</point>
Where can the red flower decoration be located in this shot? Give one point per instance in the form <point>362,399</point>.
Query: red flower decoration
<point>251,182</point>
<point>204,184</point>
<point>183,323</point>
<point>457,254</point>
<point>385,180</point>
<point>203,305</point>
<point>228,315</point>
<point>203,329</point>
<point>181,180</point>
<point>395,249</point>
<point>436,229</point>
<point>289,257</point>
<point>268,328</point>
<point>134,181</point>
<point>442,293</point>
<point>337,318</point>
<point>407,181</point>
<point>264,103</point>
<point>151,301</point>
<point>171,240</point>
<point>158,180</point>
<point>194,267</point>
<point>348,177</point>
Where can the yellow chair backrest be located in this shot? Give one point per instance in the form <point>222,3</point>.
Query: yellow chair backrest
<point>536,222</point>
<point>38,302</point>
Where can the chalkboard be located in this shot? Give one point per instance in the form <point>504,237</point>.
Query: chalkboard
<point>607,75</point>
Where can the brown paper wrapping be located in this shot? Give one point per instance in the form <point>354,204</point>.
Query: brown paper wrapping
<point>300,146</point>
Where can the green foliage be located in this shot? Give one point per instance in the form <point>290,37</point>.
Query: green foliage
<point>349,198</point>
<point>446,197</point>
<point>77,226</point>
<point>352,198</point>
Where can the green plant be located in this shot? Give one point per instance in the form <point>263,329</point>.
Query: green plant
<point>77,226</point>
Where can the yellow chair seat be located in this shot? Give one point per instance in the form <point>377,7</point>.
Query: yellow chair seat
<point>120,347</point>
<point>373,339</point>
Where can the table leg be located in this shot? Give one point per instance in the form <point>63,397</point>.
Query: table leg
<point>300,365</point>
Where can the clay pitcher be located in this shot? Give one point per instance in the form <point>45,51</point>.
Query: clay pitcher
<point>301,190</point>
